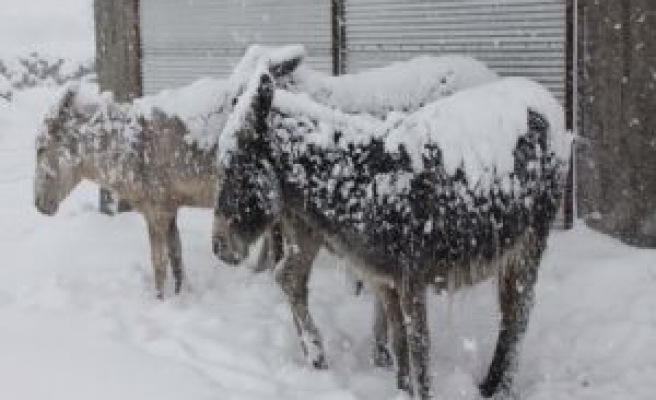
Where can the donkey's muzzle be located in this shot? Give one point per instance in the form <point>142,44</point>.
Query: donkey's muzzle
<point>47,207</point>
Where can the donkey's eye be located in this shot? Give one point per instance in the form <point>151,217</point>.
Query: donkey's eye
<point>40,151</point>
<point>234,101</point>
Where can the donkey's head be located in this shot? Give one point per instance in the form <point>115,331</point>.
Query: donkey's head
<point>249,195</point>
<point>57,158</point>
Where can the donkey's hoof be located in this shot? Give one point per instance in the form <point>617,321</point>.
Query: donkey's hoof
<point>382,357</point>
<point>179,280</point>
<point>486,390</point>
<point>179,284</point>
<point>403,384</point>
<point>320,362</point>
<point>496,391</point>
<point>358,287</point>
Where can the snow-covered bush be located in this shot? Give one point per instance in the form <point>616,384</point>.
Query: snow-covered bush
<point>24,72</point>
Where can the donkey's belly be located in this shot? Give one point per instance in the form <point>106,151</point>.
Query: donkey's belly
<point>370,265</point>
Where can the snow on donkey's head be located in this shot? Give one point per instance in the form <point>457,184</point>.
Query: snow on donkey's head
<point>56,156</point>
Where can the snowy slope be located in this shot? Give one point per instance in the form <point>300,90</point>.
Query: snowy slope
<point>78,318</point>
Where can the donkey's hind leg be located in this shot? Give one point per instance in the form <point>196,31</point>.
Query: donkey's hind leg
<point>413,307</point>
<point>516,292</point>
<point>389,298</point>
<point>381,355</point>
<point>293,275</point>
<point>175,253</point>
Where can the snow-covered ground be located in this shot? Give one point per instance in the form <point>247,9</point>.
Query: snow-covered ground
<point>79,320</point>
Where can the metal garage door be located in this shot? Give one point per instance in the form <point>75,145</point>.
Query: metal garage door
<point>514,37</point>
<point>184,40</point>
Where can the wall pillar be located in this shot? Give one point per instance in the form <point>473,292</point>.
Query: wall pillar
<point>118,62</point>
<point>617,154</point>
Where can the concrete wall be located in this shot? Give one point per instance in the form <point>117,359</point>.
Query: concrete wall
<point>617,157</point>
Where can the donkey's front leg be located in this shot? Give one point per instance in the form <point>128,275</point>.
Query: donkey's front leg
<point>175,253</point>
<point>516,291</point>
<point>413,307</point>
<point>158,228</point>
<point>293,275</point>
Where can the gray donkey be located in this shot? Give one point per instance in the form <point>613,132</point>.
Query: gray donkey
<point>396,88</point>
<point>146,161</point>
<point>464,189</point>
<point>155,152</point>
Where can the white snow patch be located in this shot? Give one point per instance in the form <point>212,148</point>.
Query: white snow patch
<point>77,309</point>
<point>203,106</point>
<point>477,129</point>
<point>400,86</point>
<point>49,355</point>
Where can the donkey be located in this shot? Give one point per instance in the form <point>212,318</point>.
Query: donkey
<point>145,161</point>
<point>158,153</point>
<point>439,197</point>
<point>400,87</point>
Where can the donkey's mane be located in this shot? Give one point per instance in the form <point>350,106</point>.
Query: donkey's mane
<point>84,113</point>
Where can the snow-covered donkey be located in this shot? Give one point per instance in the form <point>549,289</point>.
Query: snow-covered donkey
<point>464,189</point>
<point>158,152</point>
<point>145,160</point>
<point>400,87</point>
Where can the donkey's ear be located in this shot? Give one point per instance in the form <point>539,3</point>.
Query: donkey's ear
<point>285,67</point>
<point>60,111</point>
<point>250,113</point>
<point>262,102</point>
<point>284,60</point>
<point>66,101</point>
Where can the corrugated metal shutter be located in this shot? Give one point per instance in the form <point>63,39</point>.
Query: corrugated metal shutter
<point>183,40</point>
<point>514,37</point>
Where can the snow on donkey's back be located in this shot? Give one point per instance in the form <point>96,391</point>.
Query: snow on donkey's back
<point>463,189</point>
